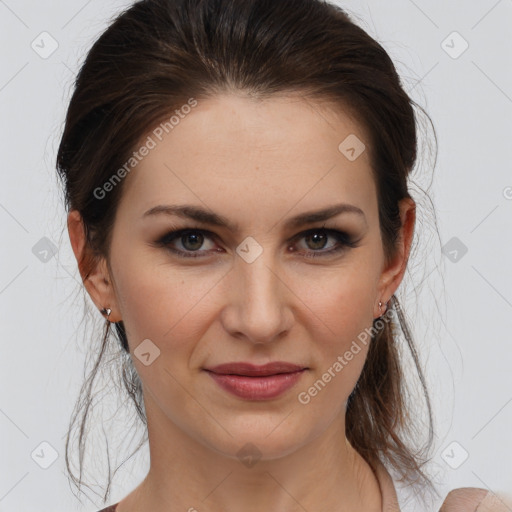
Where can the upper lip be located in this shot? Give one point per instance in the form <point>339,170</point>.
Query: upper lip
<point>252,370</point>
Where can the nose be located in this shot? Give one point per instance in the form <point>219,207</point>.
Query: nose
<point>259,301</point>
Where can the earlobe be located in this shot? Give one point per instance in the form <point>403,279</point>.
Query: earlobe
<point>93,270</point>
<point>383,307</point>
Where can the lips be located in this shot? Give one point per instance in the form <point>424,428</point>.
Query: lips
<point>251,382</point>
<point>251,370</point>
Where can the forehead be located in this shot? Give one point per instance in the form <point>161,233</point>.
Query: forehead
<point>234,151</point>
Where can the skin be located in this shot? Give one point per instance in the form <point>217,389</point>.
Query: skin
<point>258,163</point>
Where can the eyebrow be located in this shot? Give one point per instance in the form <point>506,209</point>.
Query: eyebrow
<point>207,217</point>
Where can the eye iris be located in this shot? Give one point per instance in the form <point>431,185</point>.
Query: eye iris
<point>321,238</point>
<point>197,237</point>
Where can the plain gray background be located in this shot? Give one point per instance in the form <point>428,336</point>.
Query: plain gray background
<point>461,314</point>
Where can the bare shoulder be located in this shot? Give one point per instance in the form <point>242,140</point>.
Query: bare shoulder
<point>474,499</point>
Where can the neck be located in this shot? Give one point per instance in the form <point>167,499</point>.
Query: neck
<point>186,475</point>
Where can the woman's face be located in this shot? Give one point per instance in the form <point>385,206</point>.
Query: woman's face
<point>256,290</point>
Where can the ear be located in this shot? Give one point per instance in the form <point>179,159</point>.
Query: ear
<point>394,271</point>
<point>93,269</point>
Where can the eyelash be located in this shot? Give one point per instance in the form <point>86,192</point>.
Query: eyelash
<point>342,238</point>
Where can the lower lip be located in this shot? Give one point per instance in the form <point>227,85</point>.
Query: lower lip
<point>257,388</point>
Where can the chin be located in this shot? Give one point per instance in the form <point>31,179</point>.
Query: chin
<point>259,439</point>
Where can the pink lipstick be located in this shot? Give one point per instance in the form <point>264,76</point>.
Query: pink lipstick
<point>253,382</point>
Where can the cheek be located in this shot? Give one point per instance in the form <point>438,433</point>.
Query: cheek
<point>351,321</point>
<point>342,299</point>
<point>341,309</point>
<point>160,302</point>
<point>163,305</point>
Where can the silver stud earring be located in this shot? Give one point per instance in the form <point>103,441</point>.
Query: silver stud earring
<point>380,306</point>
<point>106,311</point>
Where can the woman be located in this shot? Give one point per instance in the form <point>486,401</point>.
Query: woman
<point>236,180</point>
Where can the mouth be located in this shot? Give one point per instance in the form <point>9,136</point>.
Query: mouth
<point>252,370</point>
<point>251,382</point>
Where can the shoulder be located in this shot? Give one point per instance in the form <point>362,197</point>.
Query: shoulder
<point>474,499</point>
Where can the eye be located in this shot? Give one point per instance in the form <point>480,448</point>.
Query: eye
<point>191,241</point>
<point>317,240</point>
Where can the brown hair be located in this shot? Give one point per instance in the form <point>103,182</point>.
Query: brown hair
<point>159,53</point>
